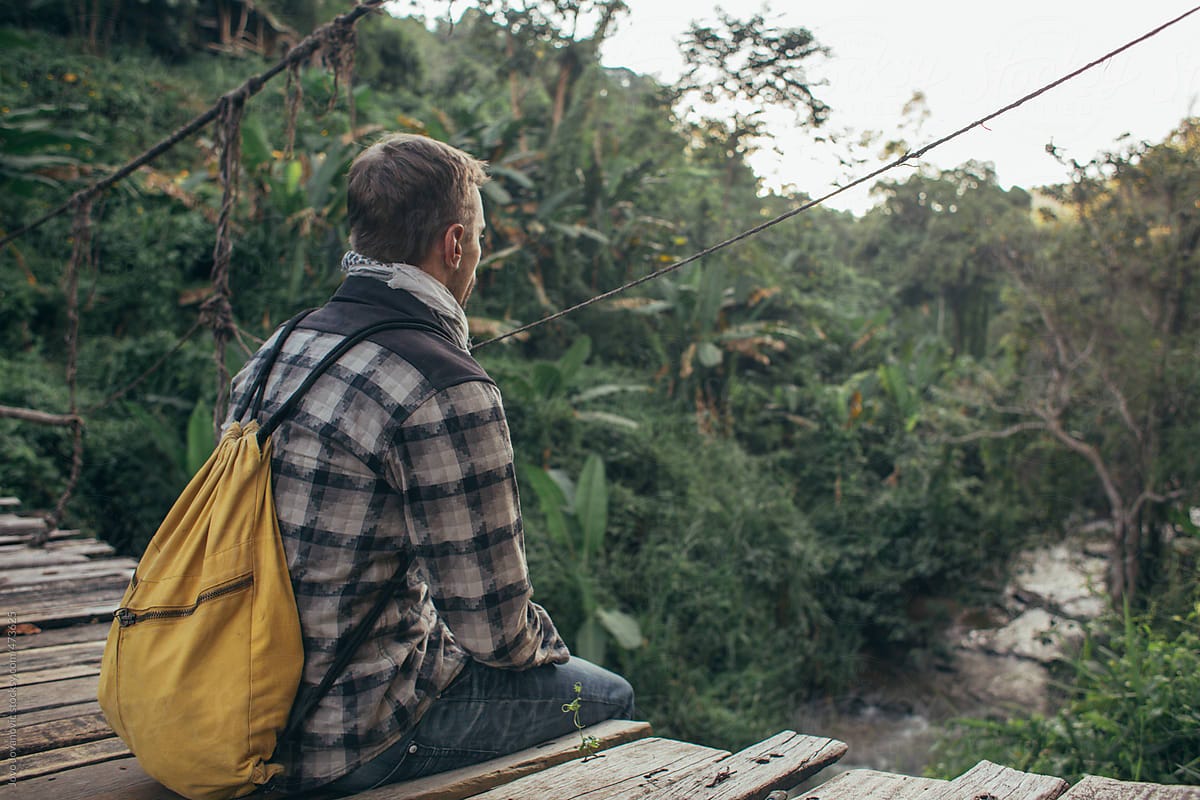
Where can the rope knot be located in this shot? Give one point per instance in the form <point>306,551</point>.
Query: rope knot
<point>217,313</point>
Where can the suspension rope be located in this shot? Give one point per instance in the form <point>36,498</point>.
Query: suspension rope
<point>155,367</point>
<point>330,40</point>
<point>330,34</point>
<point>218,309</point>
<point>746,234</point>
<point>81,255</point>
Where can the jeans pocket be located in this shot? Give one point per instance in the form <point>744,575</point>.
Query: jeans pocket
<point>393,774</point>
<point>379,771</point>
<point>422,759</point>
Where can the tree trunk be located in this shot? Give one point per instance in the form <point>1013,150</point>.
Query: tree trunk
<point>1123,560</point>
<point>514,89</point>
<point>560,95</point>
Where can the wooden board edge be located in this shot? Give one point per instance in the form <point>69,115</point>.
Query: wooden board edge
<point>780,762</point>
<point>859,784</point>
<point>36,765</point>
<point>469,781</point>
<point>1003,783</point>
<point>1094,787</point>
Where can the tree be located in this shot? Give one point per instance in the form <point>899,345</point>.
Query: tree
<point>1103,338</point>
<point>534,29</point>
<point>753,65</point>
<point>751,60</point>
<point>938,239</point>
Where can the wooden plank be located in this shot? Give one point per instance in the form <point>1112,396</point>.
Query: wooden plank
<point>65,591</point>
<point>90,607</point>
<point>471,781</point>
<point>1095,788</point>
<point>57,712</point>
<point>868,784</point>
<point>42,736</point>
<point>57,537</point>
<point>13,525</point>
<point>24,558</point>
<point>34,574</point>
<point>83,612</point>
<point>71,538</point>
<point>37,638</point>
<point>60,693</point>
<point>20,557</point>
<point>995,782</point>
<point>780,762</point>
<point>52,675</point>
<point>32,659</point>
<point>28,768</point>
<point>630,770</point>
<point>121,779</point>
<point>9,502</point>
<point>72,541</point>
<point>125,780</point>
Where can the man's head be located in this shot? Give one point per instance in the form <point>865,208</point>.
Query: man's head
<point>416,200</point>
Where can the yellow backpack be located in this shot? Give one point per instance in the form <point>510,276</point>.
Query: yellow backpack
<point>204,656</point>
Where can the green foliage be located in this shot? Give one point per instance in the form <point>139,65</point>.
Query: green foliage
<point>728,660</point>
<point>576,517</point>
<point>941,241</point>
<point>752,60</point>
<point>1131,711</point>
<point>32,148</point>
<point>554,399</point>
<point>748,474</point>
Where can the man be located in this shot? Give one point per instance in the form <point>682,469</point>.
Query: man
<point>398,454</point>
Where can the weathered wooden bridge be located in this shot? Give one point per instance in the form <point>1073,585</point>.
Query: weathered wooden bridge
<point>58,600</point>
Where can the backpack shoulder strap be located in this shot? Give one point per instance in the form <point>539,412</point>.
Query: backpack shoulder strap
<point>306,701</point>
<point>337,352</point>
<point>254,394</point>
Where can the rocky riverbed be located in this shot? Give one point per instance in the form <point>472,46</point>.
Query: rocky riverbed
<point>998,661</point>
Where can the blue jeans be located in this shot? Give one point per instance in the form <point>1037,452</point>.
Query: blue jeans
<point>488,712</point>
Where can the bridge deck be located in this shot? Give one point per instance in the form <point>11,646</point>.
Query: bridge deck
<point>58,600</point>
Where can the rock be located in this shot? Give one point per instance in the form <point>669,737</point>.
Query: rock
<point>1035,634</point>
<point>1003,681</point>
<point>1060,577</point>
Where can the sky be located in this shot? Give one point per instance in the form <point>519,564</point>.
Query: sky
<point>968,59</point>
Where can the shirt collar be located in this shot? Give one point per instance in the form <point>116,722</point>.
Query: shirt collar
<point>417,282</point>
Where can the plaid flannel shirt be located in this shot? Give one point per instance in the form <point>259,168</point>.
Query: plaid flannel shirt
<point>399,451</point>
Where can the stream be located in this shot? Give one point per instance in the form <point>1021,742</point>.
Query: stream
<point>998,660</point>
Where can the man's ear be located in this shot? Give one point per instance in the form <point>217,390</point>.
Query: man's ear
<point>452,249</point>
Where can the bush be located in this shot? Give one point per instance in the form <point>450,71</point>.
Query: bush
<point>704,547</point>
<point>1132,712</point>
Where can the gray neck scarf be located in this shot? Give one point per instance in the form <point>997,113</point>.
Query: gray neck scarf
<point>417,282</point>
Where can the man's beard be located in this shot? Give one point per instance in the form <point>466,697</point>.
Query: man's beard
<point>467,295</point>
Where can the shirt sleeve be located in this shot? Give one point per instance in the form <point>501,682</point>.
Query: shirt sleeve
<point>453,463</point>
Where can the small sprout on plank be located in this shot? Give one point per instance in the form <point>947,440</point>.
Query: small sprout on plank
<point>588,745</point>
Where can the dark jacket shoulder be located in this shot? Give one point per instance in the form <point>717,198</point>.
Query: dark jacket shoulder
<point>362,302</point>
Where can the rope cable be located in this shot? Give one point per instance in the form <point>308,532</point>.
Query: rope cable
<point>157,365</point>
<point>981,122</point>
<point>218,310</point>
<point>317,38</point>
<point>81,254</point>
<point>310,44</point>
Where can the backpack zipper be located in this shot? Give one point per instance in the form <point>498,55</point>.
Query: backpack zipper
<point>127,617</point>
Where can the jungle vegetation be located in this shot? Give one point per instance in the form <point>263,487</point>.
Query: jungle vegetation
<point>744,482</point>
